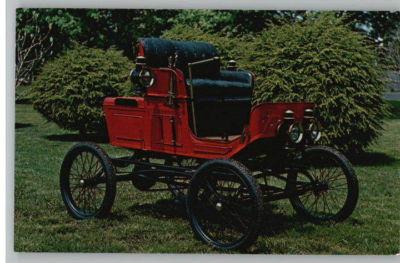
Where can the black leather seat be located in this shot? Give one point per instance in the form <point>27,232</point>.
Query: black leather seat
<point>222,98</point>
<point>222,104</point>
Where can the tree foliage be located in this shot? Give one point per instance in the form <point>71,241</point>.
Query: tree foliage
<point>377,25</point>
<point>40,34</point>
<point>120,28</point>
<point>319,60</point>
<point>234,22</point>
<point>393,51</point>
<point>71,88</point>
<point>43,33</point>
<point>51,31</point>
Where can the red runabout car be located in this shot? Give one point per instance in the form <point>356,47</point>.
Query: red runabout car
<point>193,131</point>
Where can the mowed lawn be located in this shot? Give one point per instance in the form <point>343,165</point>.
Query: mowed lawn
<point>151,222</point>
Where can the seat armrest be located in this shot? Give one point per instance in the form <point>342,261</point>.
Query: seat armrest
<point>208,60</point>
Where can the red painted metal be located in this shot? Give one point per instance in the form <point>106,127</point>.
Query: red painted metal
<point>154,125</point>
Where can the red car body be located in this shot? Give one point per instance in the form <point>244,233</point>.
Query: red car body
<point>149,123</point>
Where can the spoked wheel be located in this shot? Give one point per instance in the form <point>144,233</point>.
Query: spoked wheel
<point>224,205</point>
<point>325,186</point>
<point>87,181</point>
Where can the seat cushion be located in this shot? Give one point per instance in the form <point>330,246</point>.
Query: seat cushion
<point>221,118</point>
<point>157,51</point>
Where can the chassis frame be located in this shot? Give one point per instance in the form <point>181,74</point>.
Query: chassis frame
<point>169,174</point>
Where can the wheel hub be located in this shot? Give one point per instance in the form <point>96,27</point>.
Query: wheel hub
<point>218,206</point>
<point>81,182</point>
<point>321,188</point>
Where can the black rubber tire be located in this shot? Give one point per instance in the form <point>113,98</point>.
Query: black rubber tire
<point>352,187</point>
<point>244,175</point>
<point>110,182</point>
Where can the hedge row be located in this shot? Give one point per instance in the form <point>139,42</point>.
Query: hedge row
<point>71,88</point>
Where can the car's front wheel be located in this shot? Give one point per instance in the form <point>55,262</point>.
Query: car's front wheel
<point>225,205</point>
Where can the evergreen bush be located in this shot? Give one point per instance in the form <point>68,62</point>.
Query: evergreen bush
<point>71,88</point>
<point>319,60</point>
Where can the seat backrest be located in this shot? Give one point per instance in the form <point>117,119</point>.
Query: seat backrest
<point>157,51</point>
<point>238,84</point>
<point>223,104</point>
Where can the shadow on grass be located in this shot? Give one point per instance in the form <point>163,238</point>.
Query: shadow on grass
<point>19,125</point>
<point>75,137</point>
<point>117,217</point>
<point>371,159</point>
<point>164,208</point>
<point>273,222</point>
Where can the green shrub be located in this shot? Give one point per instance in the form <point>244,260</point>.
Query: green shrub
<point>71,88</point>
<point>320,60</point>
<point>234,22</point>
<point>23,94</point>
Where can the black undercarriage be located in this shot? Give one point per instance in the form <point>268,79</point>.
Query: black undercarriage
<point>263,167</point>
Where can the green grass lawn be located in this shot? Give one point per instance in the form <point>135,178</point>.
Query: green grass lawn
<point>151,222</point>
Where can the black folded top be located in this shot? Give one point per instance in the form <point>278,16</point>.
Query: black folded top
<point>157,51</point>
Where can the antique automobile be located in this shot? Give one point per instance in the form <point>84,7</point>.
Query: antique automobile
<point>191,129</point>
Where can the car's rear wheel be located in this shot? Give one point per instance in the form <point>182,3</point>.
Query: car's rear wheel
<point>324,186</point>
<point>87,181</point>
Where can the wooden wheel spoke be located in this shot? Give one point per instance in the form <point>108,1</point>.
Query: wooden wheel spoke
<point>92,157</point>
<point>336,179</point>
<point>334,172</point>
<point>307,197</point>
<point>337,186</point>
<point>79,197</point>
<point>239,223</point>
<point>75,170</point>
<point>83,163</point>
<point>326,203</point>
<point>73,189</point>
<point>237,215</point>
